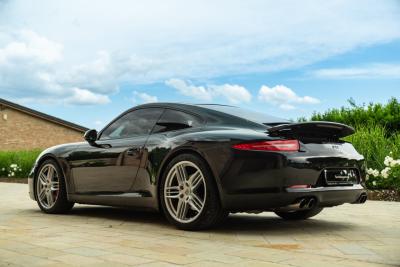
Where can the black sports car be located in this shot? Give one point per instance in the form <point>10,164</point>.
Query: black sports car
<point>197,163</point>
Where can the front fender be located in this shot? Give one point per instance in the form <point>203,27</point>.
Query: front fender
<point>58,154</point>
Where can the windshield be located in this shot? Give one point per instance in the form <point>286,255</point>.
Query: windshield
<point>247,114</point>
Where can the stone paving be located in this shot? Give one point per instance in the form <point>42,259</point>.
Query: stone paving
<point>349,235</point>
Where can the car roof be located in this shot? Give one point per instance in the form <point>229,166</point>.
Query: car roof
<point>220,113</point>
<point>201,108</point>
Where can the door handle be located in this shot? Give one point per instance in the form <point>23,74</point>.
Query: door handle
<point>133,151</point>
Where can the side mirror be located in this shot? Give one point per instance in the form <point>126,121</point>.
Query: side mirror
<point>90,136</point>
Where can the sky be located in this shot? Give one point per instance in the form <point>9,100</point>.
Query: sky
<point>88,61</point>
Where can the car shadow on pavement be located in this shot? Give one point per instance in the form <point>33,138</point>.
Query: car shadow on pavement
<point>235,223</point>
<point>269,222</point>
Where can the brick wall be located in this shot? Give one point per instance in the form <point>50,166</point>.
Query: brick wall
<point>21,131</point>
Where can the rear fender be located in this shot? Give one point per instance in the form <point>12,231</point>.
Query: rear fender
<point>193,150</point>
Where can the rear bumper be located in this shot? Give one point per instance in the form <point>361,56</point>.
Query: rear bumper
<point>325,197</point>
<point>259,180</point>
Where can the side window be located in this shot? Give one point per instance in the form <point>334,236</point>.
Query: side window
<point>172,120</point>
<point>134,123</point>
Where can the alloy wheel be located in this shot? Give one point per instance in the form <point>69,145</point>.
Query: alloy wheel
<point>47,186</point>
<point>185,192</point>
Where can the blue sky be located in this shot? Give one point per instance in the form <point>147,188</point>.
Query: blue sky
<point>88,61</point>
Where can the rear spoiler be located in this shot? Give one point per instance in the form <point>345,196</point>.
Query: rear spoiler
<point>316,129</point>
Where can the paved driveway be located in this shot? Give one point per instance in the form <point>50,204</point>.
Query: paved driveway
<point>350,235</point>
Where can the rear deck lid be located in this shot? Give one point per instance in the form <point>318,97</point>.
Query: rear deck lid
<point>314,129</point>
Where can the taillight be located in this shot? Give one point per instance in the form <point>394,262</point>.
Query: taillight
<point>277,145</point>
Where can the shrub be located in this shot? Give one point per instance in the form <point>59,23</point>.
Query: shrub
<point>386,115</point>
<point>17,163</point>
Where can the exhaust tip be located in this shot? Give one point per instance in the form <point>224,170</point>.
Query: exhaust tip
<point>311,203</point>
<point>303,203</point>
<point>307,203</point>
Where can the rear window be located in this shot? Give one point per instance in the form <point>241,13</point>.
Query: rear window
<point>248,114</point>
<point>173,120</point>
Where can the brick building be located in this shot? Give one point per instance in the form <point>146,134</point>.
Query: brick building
<point>22,128</point>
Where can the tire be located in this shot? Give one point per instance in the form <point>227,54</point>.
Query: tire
<point>174,190</point>
<point>299,215</point>
<point>54,190</point>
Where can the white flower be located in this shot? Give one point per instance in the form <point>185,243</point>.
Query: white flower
<point>373,182</point>
<point>395,163</point>
<point>385,172</point>
<point>367,177</point>
<point>388,161</point>
<point>12,174</point>
<point>3,169</point>
<point>370,171</point>
<point>13,165</point>
<point>373,172</point>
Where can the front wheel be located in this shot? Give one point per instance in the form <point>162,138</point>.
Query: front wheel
<point>189,196</point>
<point>299,214</point>
<point>51,194</point>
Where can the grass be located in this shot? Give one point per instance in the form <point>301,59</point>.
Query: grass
<point>24,161</point>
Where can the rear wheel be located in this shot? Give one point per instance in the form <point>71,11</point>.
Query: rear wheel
<point>189,196</point>
<point>299,214</point>
<point>51,194</point>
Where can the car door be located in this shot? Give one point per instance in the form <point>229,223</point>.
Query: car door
<point>110,165</point>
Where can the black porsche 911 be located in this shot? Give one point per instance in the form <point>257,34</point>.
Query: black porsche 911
<point>198,163</point>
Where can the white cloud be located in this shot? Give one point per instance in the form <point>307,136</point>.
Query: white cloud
<point>284,97</point>
<point>145,98</point>
<point>86,97</point>
<point>25,63</point>
<point>29,47</point>
<point>371,71</point>
<point>99,75</point>
<point>232,93</point>
<point>186,89</point>
<point>149,41</point>
<point>152,41</point>
<point>29,71</point>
